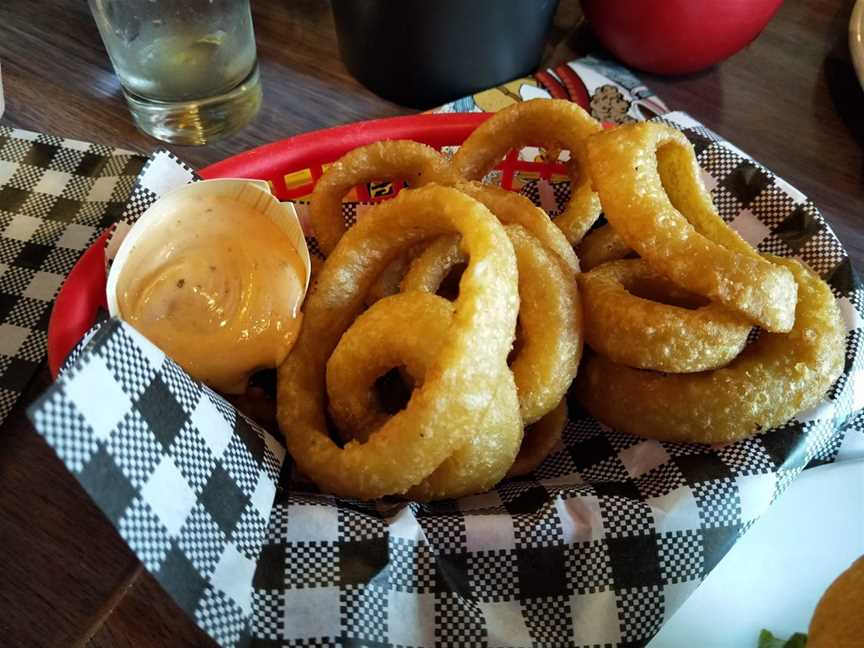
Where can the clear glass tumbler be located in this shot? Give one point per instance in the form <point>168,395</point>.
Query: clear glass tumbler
<point>188,67</point>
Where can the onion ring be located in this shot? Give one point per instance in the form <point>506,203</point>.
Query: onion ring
<point>648,334</point>
<point>641,172</point>
<point>552,124</point>
<point>550,317</point>
<point>409,330</point>
<point>539,440</point>
<point>514,209</point>
<point>428,269</point>
<point>388,160</point>
<point>460,385</point>
<point>600,246</point>
<point>773,379</point>
<point>387,282</point>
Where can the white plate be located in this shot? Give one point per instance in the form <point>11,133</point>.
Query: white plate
<point>779,569</point>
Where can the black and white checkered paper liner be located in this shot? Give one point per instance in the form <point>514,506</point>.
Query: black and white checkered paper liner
<point>56,195</point>
<point>598,547</point>
<point>187,481</point>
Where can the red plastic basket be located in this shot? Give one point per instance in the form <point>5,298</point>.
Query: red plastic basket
<point>299,159</point>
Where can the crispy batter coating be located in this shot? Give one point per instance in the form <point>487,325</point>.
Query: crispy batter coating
<point>649,185</point>
<point>552,124</point>
<point>428,269</point>
<point>601,246</point>
<point>388,280</point>
<point>539,440</point>
<point>647,334</point>
<point>771,381</point>
<point>514,209</point>
<point>409,330</point>
<point>459,387</point>
<point>413,162</point>
<point>550,317</point>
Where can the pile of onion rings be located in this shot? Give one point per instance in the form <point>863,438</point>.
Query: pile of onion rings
<point>466,386</point>
<point>471,298</point>
<point>669,329</point>
<point>773,379</point>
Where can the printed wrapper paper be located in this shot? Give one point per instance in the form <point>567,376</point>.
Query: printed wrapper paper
<point>598,547</point>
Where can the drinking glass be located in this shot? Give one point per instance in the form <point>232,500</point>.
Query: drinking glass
<point>188,67</point>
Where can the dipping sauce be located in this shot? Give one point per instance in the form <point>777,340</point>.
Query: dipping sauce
<point>218,287</point>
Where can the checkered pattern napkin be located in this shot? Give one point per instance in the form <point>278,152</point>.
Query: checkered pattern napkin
<point>56,195</point>
<point>598,547</point>
<point>186,480</point>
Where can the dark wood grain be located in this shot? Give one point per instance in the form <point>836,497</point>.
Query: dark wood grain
<point>790,99</point>
<point>146,617</point>
<point>60,558</point>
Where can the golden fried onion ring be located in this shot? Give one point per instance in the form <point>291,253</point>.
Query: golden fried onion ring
<point>514,209</point>
<point>773,379</point>
<point>600,246</point>
<point>409,330</point>
<point>461,384</point>
<point>388,280</point>
<point>428,269</point>
<point>551,124</point>
<point>550,317</point>
<point>539,440</point>
<point>510,208</point>
<point>646,334</point>
<point>413,162</point>
<point>642,172</point>
<point>405,331</point>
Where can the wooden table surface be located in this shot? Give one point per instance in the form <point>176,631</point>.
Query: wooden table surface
<point>790,99</point>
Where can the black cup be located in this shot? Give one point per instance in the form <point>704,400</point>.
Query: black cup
<point>422,53</point>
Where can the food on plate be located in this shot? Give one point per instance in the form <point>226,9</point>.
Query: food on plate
<point>552,124</point>
<point>510,208</point>
<point>539,440</point>
<point>514,209</point>
<point>387,282</point>
<point>428,270</point>
<point>837,621</point>
<point>415,163</point>
<point>215,274</point>
<point>648,180</point>
<point>410,329</point>
<point>549,337</point>
<point>408,332</point>
<point>774,378</point>
<point>464,379</point>
<point>482,369</point>
<point>636,317</point>
<point>601,245</point>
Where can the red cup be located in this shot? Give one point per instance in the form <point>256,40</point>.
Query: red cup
<point>677,36</point>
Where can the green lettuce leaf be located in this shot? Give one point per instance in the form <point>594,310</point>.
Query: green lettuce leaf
<point>768,640</point>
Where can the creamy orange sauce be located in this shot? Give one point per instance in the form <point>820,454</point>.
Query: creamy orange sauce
<point>218,287</point>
